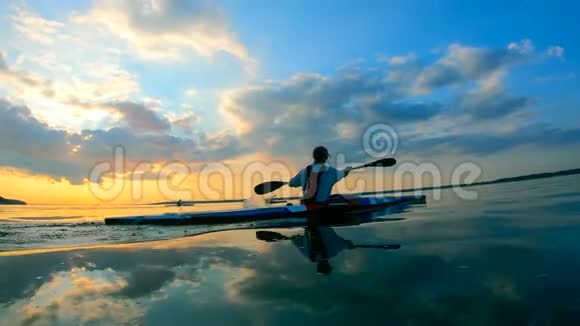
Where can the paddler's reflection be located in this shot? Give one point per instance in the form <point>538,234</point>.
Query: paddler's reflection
<point>319,244</point>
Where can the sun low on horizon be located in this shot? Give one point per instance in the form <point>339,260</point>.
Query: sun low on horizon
<point>111,101</point>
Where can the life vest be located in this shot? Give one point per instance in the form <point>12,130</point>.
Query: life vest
<point>312,181</point>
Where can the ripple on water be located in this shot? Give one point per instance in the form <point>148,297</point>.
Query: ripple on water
<point>564,195</point>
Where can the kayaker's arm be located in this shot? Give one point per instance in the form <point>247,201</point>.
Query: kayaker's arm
<point>340,174</point>
<point>298,179</point>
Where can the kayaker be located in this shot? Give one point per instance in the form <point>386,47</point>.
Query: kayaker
<point>318,178</point>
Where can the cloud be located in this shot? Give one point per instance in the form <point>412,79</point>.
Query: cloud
<point>168,29</point>
<point>401,60</point>
<point>291,116</point>
<point>107,83</point>
<point>555,51</point>
<point>122,290</point>
<point>483,144</point>
<point>190,92</point>
<point>3,65</point>
<point>140,117</point>
<point>186,121</point>
<point>490,101</point>
<point>22,80</point>
<point>85,95</point>
<point>461,64</point>
<point>82,297</point>
<point>146,280</point>
<point>524,46</point>
<point>24,141</point>
<point>35,28</point>
<point>24,133</point>
<point>284,118</point>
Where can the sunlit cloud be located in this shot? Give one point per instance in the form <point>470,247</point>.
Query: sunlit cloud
<point>36,28</point>
<point>164,30</point>
<point>190,92</point>
<point>78,296</point>
<point>24,140</point>
<point>292,115</point>
<point>399,59</point>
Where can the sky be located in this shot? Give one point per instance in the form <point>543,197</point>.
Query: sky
<point>214,85</point>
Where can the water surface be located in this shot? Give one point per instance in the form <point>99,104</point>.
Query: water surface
<point>509,258</point>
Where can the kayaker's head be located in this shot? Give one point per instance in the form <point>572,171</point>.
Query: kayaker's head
<point>323,267</point>
<point>320,154</point>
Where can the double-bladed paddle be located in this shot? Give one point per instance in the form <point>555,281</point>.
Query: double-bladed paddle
<point>269,186</point>
<point>270,236</point>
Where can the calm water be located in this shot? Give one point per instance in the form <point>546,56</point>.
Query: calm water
<point>510,257</point>
<point>53,226</point>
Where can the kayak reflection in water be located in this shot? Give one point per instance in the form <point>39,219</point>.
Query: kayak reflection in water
<point>318,178</point>
<point>319,244</point>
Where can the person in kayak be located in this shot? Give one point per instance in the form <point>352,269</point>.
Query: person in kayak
<point>318,178</point>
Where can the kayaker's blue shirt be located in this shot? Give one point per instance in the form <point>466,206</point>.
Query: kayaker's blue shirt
<point>326,180</point>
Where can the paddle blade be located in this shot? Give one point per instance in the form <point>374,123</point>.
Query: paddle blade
<point>385,162</point>
<point>270,236</point>
<point>267,187</point>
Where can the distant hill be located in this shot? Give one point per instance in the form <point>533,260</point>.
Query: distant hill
<point>481,183</point>
<point>5,201</point>
<point>535,176</point>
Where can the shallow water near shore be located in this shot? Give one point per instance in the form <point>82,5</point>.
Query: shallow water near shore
<point>52,226</point>
<point>510,257</point>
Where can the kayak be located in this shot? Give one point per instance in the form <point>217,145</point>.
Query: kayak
<point>352,206</point>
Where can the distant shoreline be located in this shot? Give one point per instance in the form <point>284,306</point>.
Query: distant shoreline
<point>535,176</point>
<point>527,177</point>
<point>6,201</point>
